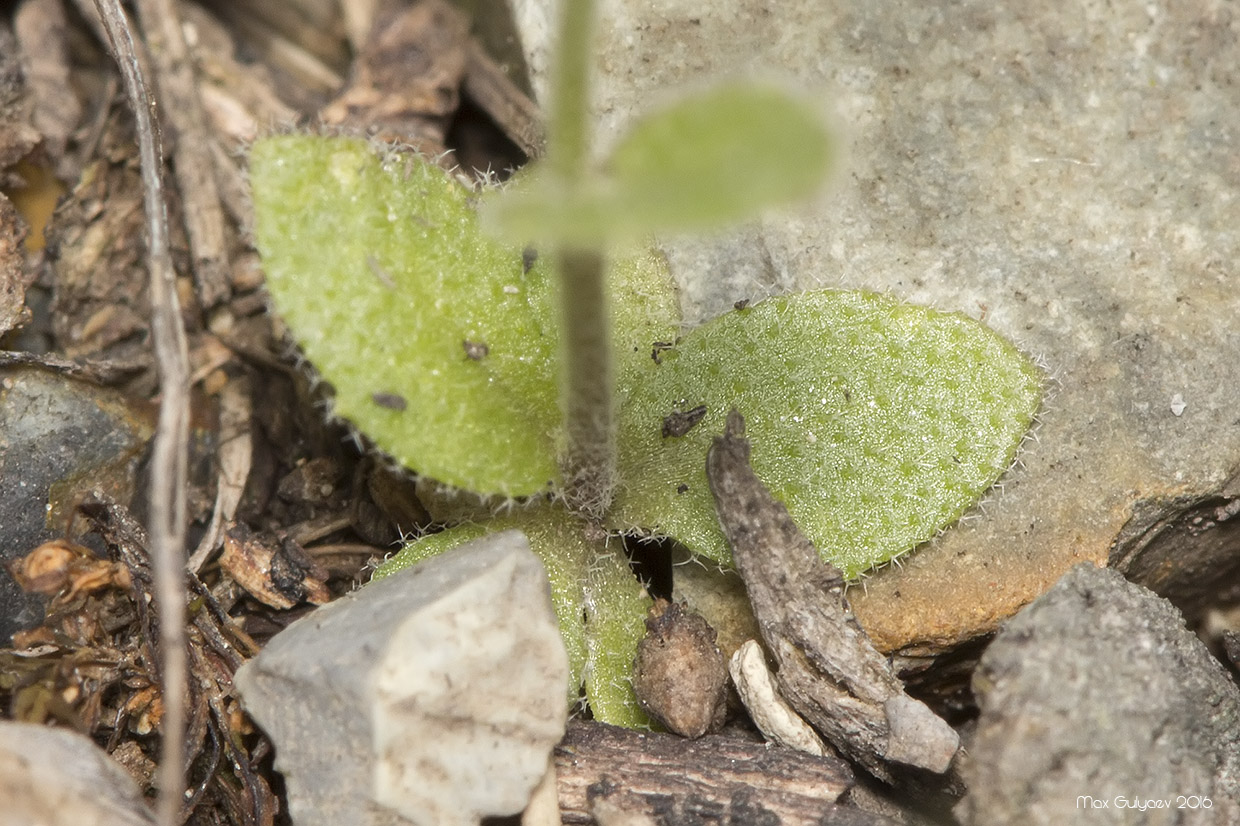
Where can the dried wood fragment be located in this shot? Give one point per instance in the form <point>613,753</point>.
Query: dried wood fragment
<point>234,457</point>
<point>194,165</point>
<point>274,570</point>
<point>405,84</point>
<point>768,709</point>
<point>715,779</point>
<point>512,110</point>
<point>828,669</point>
<point>43,42</point>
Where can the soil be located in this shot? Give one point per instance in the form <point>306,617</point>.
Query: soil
<point>285,509</point>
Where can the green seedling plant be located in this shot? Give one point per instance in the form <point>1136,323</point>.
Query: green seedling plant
<point>522,348</point>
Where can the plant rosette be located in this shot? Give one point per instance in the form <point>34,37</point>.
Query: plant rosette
<point>877,423</point>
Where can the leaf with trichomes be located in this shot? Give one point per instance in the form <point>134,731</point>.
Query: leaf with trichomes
<point>440,343</point>
<point>877,423</point>
<point>600,606</point>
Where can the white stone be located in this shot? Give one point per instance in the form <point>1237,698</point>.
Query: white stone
<point>56,777</point>
<point>431,697</point>
<point>769,711</point>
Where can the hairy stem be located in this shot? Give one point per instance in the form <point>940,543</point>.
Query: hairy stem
<point>567,132</point>
<point>590,460</point>
<point>590,464</point>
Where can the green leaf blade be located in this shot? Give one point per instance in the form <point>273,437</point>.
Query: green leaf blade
<point>379,269</point>
<point>718,158</point>
<point>600,606</point>
<point>877,423</point>
<point>707,161</point>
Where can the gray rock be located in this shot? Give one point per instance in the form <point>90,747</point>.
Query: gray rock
<point>1065,173</point>
<point>56,777</point>
<point>432,696</point>
<point>1095,699</point>
<point>59,437</point>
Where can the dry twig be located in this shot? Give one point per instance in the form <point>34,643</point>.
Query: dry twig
<point>829,671</point>
<point>178,92</point>
<point>715,779</point>
<point>169,456</point>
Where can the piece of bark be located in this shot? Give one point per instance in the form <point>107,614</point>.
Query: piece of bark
<point>193,161</point>
<point>42,37</point>
<point>679,675</point>
<point>406,82</point>
<point>305,62</point>
<point>17,136</point>
<point>715,779</point>
<point>274,570</point>
<point>828,669</point>
<point>514,113</point>
<point>234,456</point>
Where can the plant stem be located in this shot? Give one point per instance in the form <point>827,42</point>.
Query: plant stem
<point>589,466</point>
<point>589,463</point>
<point>567,130</point>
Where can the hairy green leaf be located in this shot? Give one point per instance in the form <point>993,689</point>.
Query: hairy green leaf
<point>600,606</point>
<point>440,343</point>
<point>877,423</point>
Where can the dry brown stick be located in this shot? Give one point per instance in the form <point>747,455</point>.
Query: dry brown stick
<point>673,779</point>
<point>499,97</point>
<point>193,162</point>
<point>169,455</point>
<point>829,671</point>
<point>234,457</point>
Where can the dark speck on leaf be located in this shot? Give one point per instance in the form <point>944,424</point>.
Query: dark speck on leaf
<point>682,488</point>
<point>678,423</point>
<point>392,401</point>
<point>659,347</point>
<point>475,350</point>
<point>377,270</point>
<point>528,256</point>
<point>742,304</point>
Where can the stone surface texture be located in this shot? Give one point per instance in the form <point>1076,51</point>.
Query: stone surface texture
<point>1067,174</point>
<point>56,777</point>
<point>433,696</point>
<point>1095,701</point>
<point>59,437</point>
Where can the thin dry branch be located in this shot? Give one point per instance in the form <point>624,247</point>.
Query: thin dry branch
<point>169,455</point>
<point>829,671</point>
<point>715,779</point>
<point>194,165</point>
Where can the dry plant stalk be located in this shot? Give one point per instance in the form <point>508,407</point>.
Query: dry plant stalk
<point>169,454</point>
<point>829,671</point>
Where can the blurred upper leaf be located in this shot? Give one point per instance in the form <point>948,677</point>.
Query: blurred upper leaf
<point>709,160</point>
